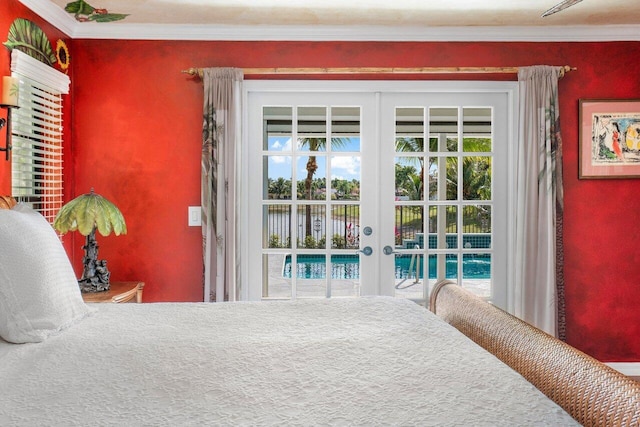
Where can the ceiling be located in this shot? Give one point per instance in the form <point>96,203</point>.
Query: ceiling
<point>347,19</point>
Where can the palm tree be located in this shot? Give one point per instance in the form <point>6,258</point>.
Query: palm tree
<point>413,145</point>
<point>413,186</point>
<point>315,144</point>
<point>476,172</point>
<point>342,186</point>
<point>280,188</point>
<point>476,169</point>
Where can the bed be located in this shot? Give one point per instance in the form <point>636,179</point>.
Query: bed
<point>373,361</point>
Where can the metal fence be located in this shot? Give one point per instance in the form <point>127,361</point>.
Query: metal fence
<point>312,229</point>
<point>344,225</point>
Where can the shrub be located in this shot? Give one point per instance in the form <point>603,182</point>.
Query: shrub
<point>274,241</point>
<point>309,242</point>
<point>338,241</point>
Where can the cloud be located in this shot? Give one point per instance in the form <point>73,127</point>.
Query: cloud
<point>281,145</point>
<point>279,160</point>
<point>350,165</point>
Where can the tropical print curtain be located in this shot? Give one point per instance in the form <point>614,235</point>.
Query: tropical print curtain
<point>220,146</point>
<point>538,297</point>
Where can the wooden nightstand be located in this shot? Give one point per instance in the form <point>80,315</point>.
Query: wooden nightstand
<point>118,292</point>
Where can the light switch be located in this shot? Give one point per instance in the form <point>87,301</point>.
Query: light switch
<point>195,216</point>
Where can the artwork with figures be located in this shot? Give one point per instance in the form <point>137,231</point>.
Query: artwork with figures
<point>616,138</point>
<point>609,138</point>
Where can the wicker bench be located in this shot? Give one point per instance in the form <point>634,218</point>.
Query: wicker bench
<point>590,391</point>
<point>7,202</point>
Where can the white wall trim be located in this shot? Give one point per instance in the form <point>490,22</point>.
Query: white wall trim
<point>136,31</point>
<point>631,369</point>
<point>355,33</point>
<point>52,14</point>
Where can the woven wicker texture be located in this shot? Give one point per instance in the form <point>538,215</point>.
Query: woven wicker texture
<point>590,391</point>
<point>7,202</point>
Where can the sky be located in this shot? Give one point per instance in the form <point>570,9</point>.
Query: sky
<point>343,166</point>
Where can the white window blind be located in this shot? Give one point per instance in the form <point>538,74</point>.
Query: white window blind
<point>37,135</point>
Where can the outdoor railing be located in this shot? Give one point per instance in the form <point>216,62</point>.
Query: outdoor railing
<point>344,226</point>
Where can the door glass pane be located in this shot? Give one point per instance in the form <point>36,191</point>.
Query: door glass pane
<point>477,129</point>
<point>278,127</point>
<point>443,228</point>
<point>345,178</point>
<point>410,129</point>
<point>278,171</point>
<point>345,129</point>
<point>312,177</point>
<point>311,277</point>
<point>410,273</point>
<point>276,273</point>
<point>345,224</point>
<point>311,226</point>
<point>450,182</point>
<point>476,172</point>
<point>443,129</point>
<point>276,225</point>
<point>312,128</point>
<point>409,178</point>
<point>476,224</point>
<point>409,227</point>
<point>476,273</point>
<point>345,275</point>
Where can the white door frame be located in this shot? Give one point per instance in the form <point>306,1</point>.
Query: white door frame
<point>510,89</point>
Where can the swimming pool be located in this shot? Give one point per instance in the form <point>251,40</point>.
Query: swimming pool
<point>474,266</point>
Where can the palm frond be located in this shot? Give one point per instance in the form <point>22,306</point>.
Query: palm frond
<point>27,37</point>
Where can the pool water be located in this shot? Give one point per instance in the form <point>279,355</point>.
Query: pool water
<point>474,266</point>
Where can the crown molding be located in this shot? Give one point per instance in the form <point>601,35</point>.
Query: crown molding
<point>52,14</point>
<point>130,31</point>
<point>355,33</point>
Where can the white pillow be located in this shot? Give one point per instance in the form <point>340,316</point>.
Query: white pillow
<point>39,293</point>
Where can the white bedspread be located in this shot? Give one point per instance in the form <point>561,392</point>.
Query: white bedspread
<point>368,361</point>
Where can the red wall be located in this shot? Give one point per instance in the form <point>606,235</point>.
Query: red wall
<point>136,140</point>
<point>9,11</point>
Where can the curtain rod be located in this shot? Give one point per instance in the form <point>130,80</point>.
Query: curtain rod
<point>378,70</point>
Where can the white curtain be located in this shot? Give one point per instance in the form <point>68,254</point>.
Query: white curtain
<point>539,199</point>
<point>220,153</point>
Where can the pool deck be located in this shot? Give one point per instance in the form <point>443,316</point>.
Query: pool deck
<point>280,287</point>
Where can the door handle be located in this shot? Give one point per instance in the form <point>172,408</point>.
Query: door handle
<point>367,251</point>
<point>388,250</point>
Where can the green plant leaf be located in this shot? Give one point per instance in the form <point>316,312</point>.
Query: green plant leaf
<point>79,7</point>
<point>107,17</point>
<point>27,37</point>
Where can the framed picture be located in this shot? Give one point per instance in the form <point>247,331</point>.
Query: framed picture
<point>609,138</point>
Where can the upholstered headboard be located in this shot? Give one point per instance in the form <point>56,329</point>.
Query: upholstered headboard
<point>7,202</point>
<point>590,391</point>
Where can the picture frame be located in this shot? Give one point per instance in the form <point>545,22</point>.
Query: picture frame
<point>609,139</point>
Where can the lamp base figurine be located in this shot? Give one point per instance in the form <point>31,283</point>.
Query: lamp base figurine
<point>95,274</point>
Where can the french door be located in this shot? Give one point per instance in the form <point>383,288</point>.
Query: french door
<point>377,188</point>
